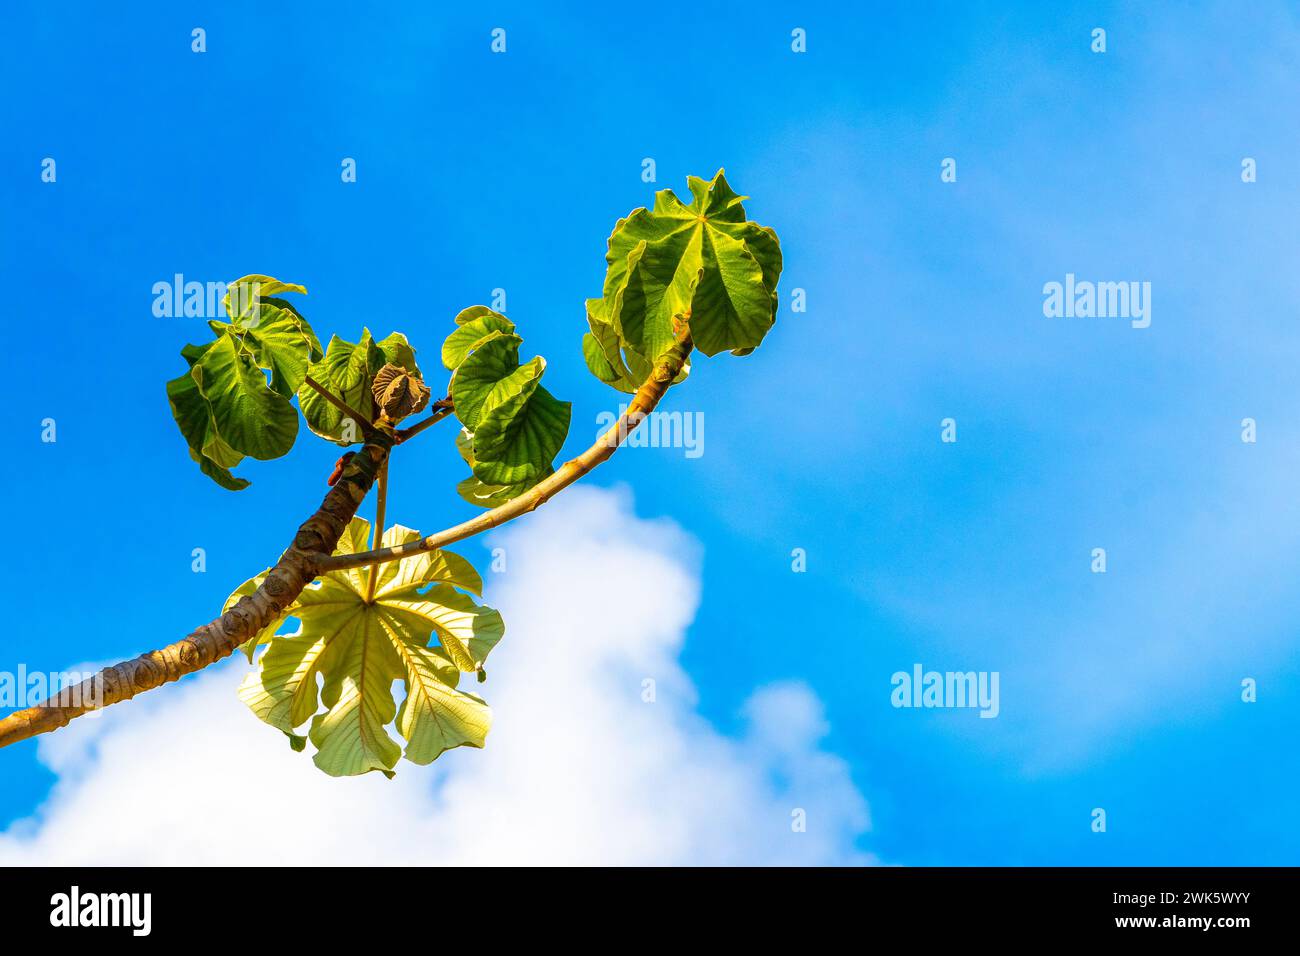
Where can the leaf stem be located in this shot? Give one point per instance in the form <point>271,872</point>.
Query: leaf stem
<point>341,405</point>
<point>644,402</point>
<point>381,503</point>
<point>441,409</point>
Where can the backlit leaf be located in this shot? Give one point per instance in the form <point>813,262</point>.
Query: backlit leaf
<point>284,344</point>
<point>518,438</point>
<point>249,417</point>
<point>242,294</point>
<point>223,405</point>
<point>470,333</point>
<point>514,426</point>
<point>421,629</point>
<point>705,260</point>
<point>348,371</point>
<point>478,492</point>
<point>490,373</point>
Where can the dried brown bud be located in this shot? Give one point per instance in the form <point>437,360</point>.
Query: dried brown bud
<point>398,393</point>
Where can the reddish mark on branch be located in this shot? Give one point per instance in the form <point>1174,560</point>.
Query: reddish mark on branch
<point>338,467</point>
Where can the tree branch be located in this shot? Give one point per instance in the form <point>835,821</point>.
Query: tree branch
<point>646,398</point>
<point>366,425</point>
<point>308,556</point>
<point>218,639</point>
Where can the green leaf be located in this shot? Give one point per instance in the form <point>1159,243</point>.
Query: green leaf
<point>487,496</point>
<point>356,650</point>
<point>223,405</point>
<point>488,374</point>
<point>434,717</point>
<point>471,333</point>
<point>466,631</point>
<point>514,428</point>
<point>193,415</point>
<point>603,350</point>
<point>248,290</point>
<point>284,344</point>
<point>248,416</point>
<point>658,284</point>
<point>397,351</point>
<point>347,372</point>
<point>359,664</point>
<point>221,476</point>
<point>599,363</point>
<point>519,437</point>
<point>704,259</point>
<point>472,313</point>
<point>477,492</point>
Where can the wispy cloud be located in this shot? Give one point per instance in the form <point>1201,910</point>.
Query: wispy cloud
<point>579,767</point>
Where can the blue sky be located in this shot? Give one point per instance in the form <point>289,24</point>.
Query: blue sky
<point>924,302</point>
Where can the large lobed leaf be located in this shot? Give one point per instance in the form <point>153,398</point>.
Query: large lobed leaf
<point>355,651</point>
<point>513,426</point>
<point>223,404</point>
<point>705,260</point>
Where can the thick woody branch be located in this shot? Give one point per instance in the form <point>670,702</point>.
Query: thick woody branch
<point>218,639</point>
<point>644,402</point>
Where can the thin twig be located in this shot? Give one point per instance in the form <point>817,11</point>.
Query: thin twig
<point>441,409</point>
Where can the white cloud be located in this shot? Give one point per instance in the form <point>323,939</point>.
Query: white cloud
<point>577,769</point>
